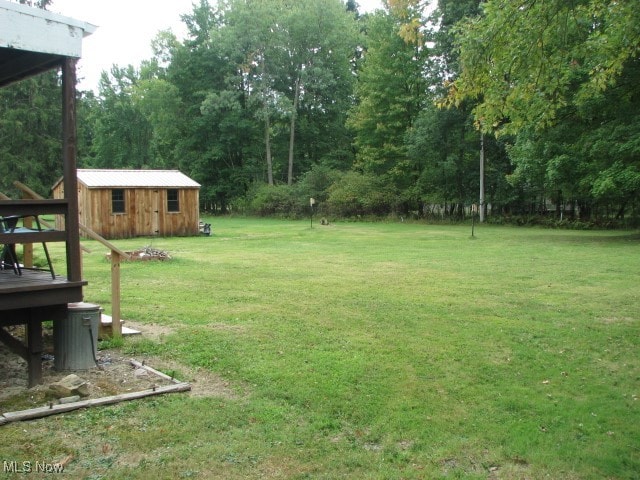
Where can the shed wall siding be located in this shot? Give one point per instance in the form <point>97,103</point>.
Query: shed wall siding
<point>146,213</point>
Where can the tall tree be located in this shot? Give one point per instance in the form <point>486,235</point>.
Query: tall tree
<point>320,42</point>
<point>390,93</point>
<point>159,102</point>
<point>295,60</point>
<point>38,3</point>
<point>560,75</point>
<point>30,133</point>
<point>444,142</point>
<point>217,143</point>
<point>524,61</point>
<point>123,134</point>
<point>254,39</point>
<point>588,162</point>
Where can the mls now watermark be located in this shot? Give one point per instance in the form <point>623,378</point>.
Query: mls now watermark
<point>31,467</point>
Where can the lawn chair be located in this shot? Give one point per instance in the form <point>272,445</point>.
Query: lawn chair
<point>9,258</point>
<point>205,229</point>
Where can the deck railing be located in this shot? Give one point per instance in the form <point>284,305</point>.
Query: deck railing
<point>116,254</point>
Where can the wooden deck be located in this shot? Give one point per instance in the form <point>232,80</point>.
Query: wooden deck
<point>35,289</point>
<point>30,299</point>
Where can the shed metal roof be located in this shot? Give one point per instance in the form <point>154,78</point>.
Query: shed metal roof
<point>135,179</point>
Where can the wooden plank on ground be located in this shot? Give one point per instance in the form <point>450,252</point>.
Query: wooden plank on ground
<point>41,412</point>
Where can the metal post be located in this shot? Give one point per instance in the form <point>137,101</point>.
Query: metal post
<point>481,177</point>
<point>312,202</point>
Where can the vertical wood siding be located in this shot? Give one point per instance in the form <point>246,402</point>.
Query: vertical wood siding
<point>145,212</point>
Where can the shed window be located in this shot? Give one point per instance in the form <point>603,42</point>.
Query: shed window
<point>117,200</point>
<point>173,200</point>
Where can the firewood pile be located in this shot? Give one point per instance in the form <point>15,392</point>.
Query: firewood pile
<point>147,253</point>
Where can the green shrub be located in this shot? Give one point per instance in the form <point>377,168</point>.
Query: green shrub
<point>316,183</point>
<point>360,194</point>
<point>276,200</point>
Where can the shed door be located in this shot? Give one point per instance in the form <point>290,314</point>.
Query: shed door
<point>155,212</point>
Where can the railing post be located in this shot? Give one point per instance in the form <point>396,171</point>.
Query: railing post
<point>69,153</point>
<point>116,327</point>
<point>27,248</point>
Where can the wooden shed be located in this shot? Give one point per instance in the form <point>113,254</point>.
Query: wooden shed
<point>132,203</point>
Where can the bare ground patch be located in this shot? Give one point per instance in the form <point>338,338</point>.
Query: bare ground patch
<point>617,320</point>
<point>114,374</point>
<point>203,383</point>
<point>152,331</point>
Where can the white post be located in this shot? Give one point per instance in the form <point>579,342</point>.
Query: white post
<point>481,177</point>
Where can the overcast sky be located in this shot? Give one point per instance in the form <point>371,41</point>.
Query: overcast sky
<point>126,28</point>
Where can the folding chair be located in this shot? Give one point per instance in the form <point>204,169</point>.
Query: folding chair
<point>9,258</point>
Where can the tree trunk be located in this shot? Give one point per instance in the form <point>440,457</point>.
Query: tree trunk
<point>481,177</point>
<point>267,125</point>
<point>267,145</point>
<point>292,133</point>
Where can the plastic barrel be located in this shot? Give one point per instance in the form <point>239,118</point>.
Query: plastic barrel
<point>75,339</point>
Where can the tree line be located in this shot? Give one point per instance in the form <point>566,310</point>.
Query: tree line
<point>269,103</point>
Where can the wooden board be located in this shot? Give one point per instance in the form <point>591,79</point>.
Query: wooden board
<point>106,325</point>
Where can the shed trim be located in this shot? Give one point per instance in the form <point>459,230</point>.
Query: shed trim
<point>110,178</point>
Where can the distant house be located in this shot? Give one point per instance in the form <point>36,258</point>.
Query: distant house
<point>132,203</point>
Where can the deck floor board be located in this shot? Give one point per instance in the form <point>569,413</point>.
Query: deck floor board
<point>35,289</point>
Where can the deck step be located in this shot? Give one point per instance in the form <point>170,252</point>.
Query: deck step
<point>106,325</point>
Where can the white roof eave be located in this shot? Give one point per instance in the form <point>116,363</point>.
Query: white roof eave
<point>37,30</point>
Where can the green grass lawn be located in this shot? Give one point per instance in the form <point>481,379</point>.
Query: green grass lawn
<point>380,351</point>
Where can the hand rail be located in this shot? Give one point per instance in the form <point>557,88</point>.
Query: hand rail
<point>33,207</point>
<point>90,233</point>
<point>116,254</point>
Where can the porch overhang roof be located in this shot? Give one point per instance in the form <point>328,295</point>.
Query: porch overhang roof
<point>33,40</point>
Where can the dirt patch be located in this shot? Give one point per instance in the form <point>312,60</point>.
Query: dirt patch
<point>114,375</point>
<point>617,320</point>
<point>152,331</point>
<point>203,383</point>
<point>227,328</point>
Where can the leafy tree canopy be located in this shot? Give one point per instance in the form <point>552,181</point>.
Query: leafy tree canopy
<point>525,60</point>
